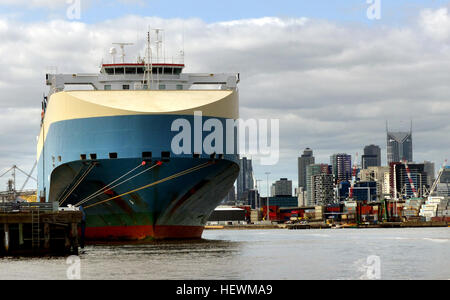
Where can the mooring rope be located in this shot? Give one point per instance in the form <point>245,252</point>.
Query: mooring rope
<point>78,183</point>
<point>108,187</point>
<point>185,172</point>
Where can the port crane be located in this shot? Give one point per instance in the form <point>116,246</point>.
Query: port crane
<point>438,179</point>
<point>411,182</point>
<point>12,192</point>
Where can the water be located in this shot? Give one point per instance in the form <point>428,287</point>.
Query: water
<point>258,254</point>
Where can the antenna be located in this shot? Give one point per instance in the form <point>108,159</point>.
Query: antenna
<point>122,48</point>
<point>159,43</point>
<point>148,74</point>
<point>113,52</point>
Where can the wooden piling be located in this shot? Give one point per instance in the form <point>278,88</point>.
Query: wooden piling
<point>7,238</point>
<point>50,232</point>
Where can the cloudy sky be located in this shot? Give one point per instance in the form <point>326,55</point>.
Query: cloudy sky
<point>331,75</point>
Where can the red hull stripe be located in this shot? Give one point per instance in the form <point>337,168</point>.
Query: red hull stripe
<point>143,232</point>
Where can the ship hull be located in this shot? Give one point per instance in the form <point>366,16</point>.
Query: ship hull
<point>175,209</point>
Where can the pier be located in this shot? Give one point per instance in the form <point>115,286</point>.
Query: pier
<point>38,229</point>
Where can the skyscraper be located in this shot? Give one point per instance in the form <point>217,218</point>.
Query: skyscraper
<point>311,171</point>
<point>305,160</point>
<point>371,157</point>
<point>342,167</point>
<point>245,180</point>
<point>399,146</point>
<point>322,189</point>
<point>430,170</point>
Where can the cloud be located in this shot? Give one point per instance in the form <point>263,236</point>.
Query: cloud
<point>331,85</point>
<point>436,23</point>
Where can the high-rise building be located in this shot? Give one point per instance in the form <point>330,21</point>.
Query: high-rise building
<point>305,160</point>
<point>245,180</point>
<point>282,188</point>
<point>371,157</point>
<point>400,184</point>
<point>430,170</point>
<point>342,167</point>
<point>311,170</point>
<point>443,186</point>
<point>375,174</point>
<point>399,146</point>
<point>322,189</point>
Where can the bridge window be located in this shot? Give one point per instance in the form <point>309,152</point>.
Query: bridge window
<point>140,70</point>
<point>109,71</point>
<point>130,70</point>
<point>168,71</point>
<point>177,71</point>
<point>120,71</point>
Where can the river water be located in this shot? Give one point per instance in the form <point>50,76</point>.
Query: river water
<point>339,254</point>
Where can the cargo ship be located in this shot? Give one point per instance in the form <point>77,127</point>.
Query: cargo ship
<point>106,146</point>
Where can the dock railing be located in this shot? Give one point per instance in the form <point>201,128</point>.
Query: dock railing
<point>26,207</point>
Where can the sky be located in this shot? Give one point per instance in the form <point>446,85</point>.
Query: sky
<point>330,74</point>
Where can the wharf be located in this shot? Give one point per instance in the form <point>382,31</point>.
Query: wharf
<point>245,227</point>
<point>38,229</point>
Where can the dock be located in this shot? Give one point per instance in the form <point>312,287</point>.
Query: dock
<point>38,229</point>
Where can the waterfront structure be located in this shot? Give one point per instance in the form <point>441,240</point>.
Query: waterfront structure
<point>371,157</point>
<point>305,160</point>
<point>312,170</point>
<point>282,188</point>
<point>245,180</point>
<point>342,167</point>
<point>401,178</point>
<point>113,149</point>
<point>399,146</point>
<point>322,189</point>
<point>283,201</point>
